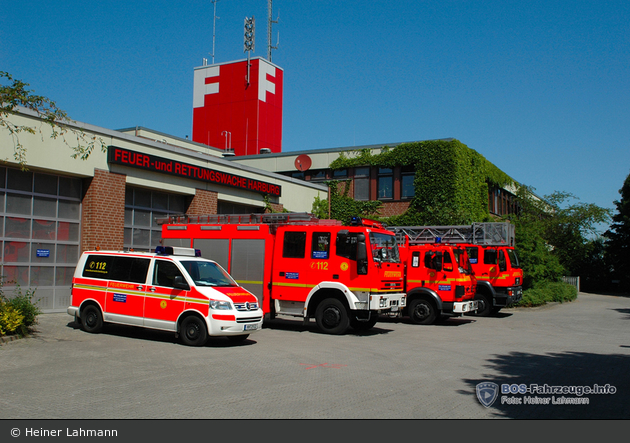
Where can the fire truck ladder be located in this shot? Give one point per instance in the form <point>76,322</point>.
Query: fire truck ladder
<point>280,218</point>
<point>484,234</point>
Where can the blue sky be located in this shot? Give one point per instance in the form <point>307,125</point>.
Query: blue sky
<point>540,88</point>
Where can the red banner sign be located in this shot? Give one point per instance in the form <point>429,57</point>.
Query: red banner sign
<point>125,157</point>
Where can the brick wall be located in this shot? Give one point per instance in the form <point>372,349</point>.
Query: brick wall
<point>203,203</point>
<point>103,212</point>
<point>393,208</point>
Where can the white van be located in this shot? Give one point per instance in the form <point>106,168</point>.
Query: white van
<point>173,289</point>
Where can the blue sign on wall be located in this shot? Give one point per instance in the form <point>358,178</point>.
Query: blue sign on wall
<point>43,252</point>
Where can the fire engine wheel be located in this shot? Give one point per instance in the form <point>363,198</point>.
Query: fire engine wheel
<point>484,305</point>
<point>364,325</point>
<point>92,319</point>
<point>331,316</point>
<point>422,312</point>
<point>193,331</point>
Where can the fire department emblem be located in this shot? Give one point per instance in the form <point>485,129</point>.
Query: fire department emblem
<point>487,393</point>
<point>344,266</point>
<point>163,304</point>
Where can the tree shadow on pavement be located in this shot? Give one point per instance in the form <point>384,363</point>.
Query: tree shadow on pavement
<point>560,369</point>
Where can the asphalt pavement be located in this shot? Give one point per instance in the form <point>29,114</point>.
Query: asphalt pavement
<point>288,370</point>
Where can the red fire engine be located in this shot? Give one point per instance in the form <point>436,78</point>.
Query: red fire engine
<point>439,281</point>
<point>490,248</point>
<point>300,266</point>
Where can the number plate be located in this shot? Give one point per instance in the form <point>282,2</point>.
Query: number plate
<point>251,327</point>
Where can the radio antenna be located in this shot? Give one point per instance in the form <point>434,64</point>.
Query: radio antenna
<point>214,27</point>
<point>269,25</point>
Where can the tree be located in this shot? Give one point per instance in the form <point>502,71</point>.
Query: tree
<point>554,238</point>
<point>617,243</point>
<point>14,94</point>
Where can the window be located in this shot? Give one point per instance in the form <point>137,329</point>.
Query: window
<point>362,183</point>
<point>490,257</point>
<point>407,189</point>
<point>473,254</point>
<point>165,273</point>
<point>340,173</point>
<point>109,267</point>
<point>294,245</point>
<point>320,245</point>
<point>318,175</point>
<point>346,245</point>
<point>385,183</point>
<point>142,207</point>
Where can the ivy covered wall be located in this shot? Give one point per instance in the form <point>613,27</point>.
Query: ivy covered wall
<point>451,183</point>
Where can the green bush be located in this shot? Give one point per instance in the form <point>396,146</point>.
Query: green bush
<point>18,313</point>
<point>548,292</point>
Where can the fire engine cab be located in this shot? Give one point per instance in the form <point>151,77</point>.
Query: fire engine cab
<point>439,281</point>
<point>173,289</point>
<point>300,266</point>
<point>490,249</point>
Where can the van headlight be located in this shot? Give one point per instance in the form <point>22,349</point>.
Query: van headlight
<point>220,305</point>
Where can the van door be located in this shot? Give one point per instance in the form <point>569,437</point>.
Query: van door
<point>124,300</point>
<point>163,301</point>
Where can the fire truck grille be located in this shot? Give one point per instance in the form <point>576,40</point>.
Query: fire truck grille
<point>248,320</point>
<point>247,306</point>
<point>392,286</point>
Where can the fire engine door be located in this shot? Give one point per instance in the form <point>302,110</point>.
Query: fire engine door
<point>163,301</point>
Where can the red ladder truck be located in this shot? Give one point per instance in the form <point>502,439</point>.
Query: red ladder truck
<point>300,266</point>
<point>439,280</point>
<point>490,248</point>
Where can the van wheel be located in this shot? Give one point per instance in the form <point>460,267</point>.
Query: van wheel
<point>422,312</point>
<point>92,319</point>
<point>237,338</point>
<point>331,317</point>
<point>193,331</point>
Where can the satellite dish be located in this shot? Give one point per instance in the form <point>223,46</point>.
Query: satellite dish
<point>303,162</point>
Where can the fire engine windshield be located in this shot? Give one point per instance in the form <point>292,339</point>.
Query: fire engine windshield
<point>205,273</point>
<point>384,248</point>
<point>513,258</point>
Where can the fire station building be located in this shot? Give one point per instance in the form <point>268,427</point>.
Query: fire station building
<point>62,206</point>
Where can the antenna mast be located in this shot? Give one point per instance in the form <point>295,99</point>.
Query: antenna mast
<point>214,27</point>
<point>270,23</point>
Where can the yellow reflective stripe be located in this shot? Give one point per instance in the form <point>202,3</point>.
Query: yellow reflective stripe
<point>248,282</point>
<point>294,285</point>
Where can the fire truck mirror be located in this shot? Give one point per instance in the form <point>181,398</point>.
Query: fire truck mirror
<point>438,261</point>
<point>179,283</point>
<point>361,255</point>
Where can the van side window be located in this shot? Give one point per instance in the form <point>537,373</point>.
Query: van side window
<point>165,272</point>
<point>130,269</point>
<point>108,267</point>
<point>294,245</point>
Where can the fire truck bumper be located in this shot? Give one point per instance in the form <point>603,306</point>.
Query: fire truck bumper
<point>464,307</point>
<point>388,302</point>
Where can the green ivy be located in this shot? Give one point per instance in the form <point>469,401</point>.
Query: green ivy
<point>451,183</point>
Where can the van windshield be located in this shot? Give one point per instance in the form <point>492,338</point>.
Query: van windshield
<point>205,273</point>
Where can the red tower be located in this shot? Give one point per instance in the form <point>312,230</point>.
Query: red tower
<point>239,107</point>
